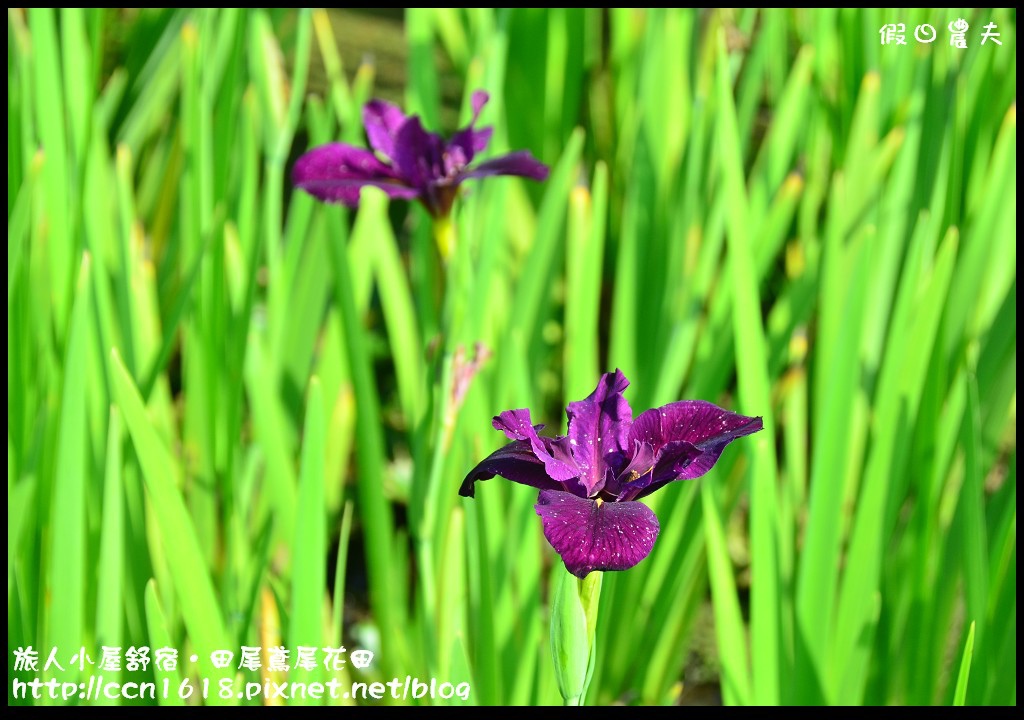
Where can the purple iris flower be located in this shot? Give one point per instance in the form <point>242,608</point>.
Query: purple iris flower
<point>409,162</point>
<point>591,479</point>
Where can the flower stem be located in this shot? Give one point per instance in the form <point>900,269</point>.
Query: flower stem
<point>574,608</point>
<point>444,235</point>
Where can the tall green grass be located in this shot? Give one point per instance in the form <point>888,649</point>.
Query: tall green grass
<point>232,417</point>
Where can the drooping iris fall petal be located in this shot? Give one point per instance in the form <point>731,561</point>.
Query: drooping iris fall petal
<point>335,172</point>
<point>594,535</point>
<point>520,163</point>
<point>516,462</point>
<point>688,438</point>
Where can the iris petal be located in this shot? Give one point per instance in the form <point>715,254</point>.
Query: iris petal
<point>641,464</point>
<point>553,452</point>
<point>688,437</point>
<point>520,163</point>
<point>382,121</point>
<point>469,141</point>
<point>592,535</point>
<point>598,428</point>
<point>419,155</point>
<point>695,421</point>
<point>335,172</point>
<point>516,462</point>
<point>466,143</point>
<point>478,100</point>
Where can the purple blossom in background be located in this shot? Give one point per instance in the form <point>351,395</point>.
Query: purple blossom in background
<point>590,480</point>
<point>409,162</point>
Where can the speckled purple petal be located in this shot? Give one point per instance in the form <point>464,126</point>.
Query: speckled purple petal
<point>335,172</point>
<point>591,535</point>
<point>382,121</point>
<point>598,428</point>
<point>688,438</point>
<point>520,163</point>
<point>553,452</point>
<point>515,462</point>
<point>516,424</point>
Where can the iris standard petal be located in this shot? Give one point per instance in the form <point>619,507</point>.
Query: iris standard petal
<point>553,452</point>
<point>515,462</point>
<point>382,121</point>
<point>335,172</point>
<point>520,163</point>
<point>464,146</point>
<point>477,101</point>
<point>593,535</point>
<point>598,428</point>
<point>469,141</point>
